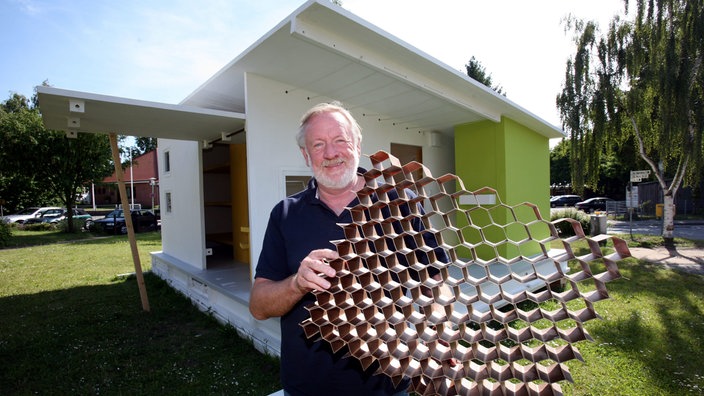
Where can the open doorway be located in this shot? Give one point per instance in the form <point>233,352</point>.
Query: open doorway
<point>407,153</point>
<point>226,206</point>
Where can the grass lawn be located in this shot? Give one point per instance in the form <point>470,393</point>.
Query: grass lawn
<point>651,338</point>
<point>70,324</point>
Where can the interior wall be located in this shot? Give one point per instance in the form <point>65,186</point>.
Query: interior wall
<point>182,231</point>
<point>216,192</point>
<point>273,113</point>
<point>240,207</point>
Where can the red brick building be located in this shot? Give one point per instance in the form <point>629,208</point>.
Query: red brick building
<point>145,172</point>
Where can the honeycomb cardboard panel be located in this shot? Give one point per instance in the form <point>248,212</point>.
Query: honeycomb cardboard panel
<point>483,327</point>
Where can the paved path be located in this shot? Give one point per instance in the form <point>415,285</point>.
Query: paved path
<point>683,258</point>
<point>689,229</point>
<point>688,259</point>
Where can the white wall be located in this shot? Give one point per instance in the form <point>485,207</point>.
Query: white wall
<point>182,230</point>
<point>273,112</point>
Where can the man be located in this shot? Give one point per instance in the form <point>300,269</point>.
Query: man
<point>295,253</point>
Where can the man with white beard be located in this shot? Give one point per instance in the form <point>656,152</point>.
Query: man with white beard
<point>296,251</point>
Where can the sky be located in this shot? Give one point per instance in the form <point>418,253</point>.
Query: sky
<point>162,50</point>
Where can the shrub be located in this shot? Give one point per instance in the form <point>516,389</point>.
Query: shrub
<point>95,227</point>
<point>5,233</point>
<point>38,227</point>
<point>565,227</point>
<point>78,225</point>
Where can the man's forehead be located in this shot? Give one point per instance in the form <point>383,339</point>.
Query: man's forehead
<point>327,124</point>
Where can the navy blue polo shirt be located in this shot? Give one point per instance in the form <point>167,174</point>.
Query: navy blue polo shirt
<point>298,225</point>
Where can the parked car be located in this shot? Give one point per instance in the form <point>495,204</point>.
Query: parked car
<point>45,216</point>
<point>564,200</point>
<point>29,213</point>
<point>114,222</point>
<point>54,216</point>
<point>593,204</point>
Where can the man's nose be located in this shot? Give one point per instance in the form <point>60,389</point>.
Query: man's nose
<point>330,150</point>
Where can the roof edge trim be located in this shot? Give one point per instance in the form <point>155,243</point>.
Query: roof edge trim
<point>135,102</point>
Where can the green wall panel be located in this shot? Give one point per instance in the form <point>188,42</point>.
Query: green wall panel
<point>513,160</point>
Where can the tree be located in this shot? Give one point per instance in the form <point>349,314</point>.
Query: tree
<point>476,71</point>
<point>145,144</point>
<point>74,163</point>
<point>141,146</point>
<point>21,131</point>
<point>641,81</point>
<point>613,171</point>
<point>560,163</point>
<point>40,166</point>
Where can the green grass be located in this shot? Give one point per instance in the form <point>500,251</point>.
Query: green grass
<point>650,339</point>
<point>71,324</point>
<point>651,241</point>
<point>22,238</point>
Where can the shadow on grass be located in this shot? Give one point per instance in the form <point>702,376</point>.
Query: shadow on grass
<point>656,317</point>
<point>97,340</point>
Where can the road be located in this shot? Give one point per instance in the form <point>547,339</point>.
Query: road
<point>693,229</point>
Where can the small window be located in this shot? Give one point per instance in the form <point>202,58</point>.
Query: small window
<point>168,201</point>
<point>296,183</point>
<point>167,161</point>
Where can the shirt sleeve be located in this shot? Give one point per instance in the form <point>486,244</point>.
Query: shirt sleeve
<point>273,258</point>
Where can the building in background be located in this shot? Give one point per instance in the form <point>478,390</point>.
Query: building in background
<point>142,178</point>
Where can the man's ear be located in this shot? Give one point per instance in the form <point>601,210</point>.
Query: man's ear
<point>305,156</point>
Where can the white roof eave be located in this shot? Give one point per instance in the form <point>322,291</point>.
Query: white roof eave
<point>86,112</point>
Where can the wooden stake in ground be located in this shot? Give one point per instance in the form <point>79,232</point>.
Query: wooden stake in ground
<point>128,221</point>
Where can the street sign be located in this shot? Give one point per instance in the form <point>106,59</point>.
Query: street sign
<point>632,198</point>
<point>639,175</point>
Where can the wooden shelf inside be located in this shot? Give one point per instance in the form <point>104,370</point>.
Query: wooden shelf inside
<point>217,168</point>
<point>224,238</point>
<point>219,203</point>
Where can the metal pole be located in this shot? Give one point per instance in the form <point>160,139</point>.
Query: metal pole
<point>630,208</point>
<point>131,181</point>
<point>92,194</point>
<point>152,181</point>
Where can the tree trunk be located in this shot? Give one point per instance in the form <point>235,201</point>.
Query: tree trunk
<point>668,219</point>
<point>69,217</point>
<point>669,193</point>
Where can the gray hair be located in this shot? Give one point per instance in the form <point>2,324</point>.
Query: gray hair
<point>322,108</point>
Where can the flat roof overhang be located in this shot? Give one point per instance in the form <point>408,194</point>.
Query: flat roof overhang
<point>86,112</point>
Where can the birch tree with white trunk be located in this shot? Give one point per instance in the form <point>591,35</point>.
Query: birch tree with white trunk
<point>640,83</point>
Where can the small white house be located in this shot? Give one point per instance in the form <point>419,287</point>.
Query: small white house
<point>227,152</point>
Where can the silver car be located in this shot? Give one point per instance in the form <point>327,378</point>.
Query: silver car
<point>29,213</point>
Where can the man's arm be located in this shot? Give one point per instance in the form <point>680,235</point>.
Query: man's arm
<point>271,298</point>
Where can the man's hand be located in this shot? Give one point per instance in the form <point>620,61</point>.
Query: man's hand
<point>313,270</point>
<point>275,298</point>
